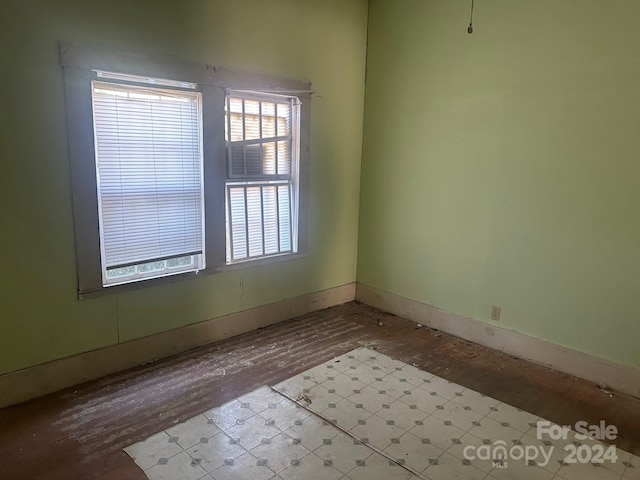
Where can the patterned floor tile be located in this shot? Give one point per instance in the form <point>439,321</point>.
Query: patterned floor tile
<point>427,402</point>
<point>252,432</point>
<point>346,414</point>
<point>442,387</point>
<point>553,449</point>
<point>193,431</point>
<point>413,375</point>
<point>371,399</point>
<point>319,374</point>
<point>246,466</point>
<point>411,451</point>
<point>296,386</point>
<point>312,432</point>
<point>585,471</point>
<point>514,417</point>
<point>437,432</point>
<point>517,470</point>
<point>157,447</point>
<point>180,466</point>
<point>342,363</point>
<point>405,415</point>
<point>214,453</point>
<point>460,416</point>
<point>493,430</point>
<point>279,452</point>
<point>392,386</point>
<point>632,470</point>
<point>260,399</point>
<point>344,452</point>
<point>377,467</point>
<point>311,467</point>
<point>229,414</point>
<point>284,415</point>
<point>344,383</point>
<point>365,355</point>
<point>378,432</point>
<point>449,467</point>
<point>363,415</point>
<point>320,398</point>
<point>363,373</point>
<point>471,444</point>
<point>478,402</point>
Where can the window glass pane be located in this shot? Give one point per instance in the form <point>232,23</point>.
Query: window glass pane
<point>254,221</point>
<point>284,157</point>
<point>236,152</point>
<point>235,120</point>
<point>268,119</point>
<point>259,209</point>
<point>179,262</point>
<point>121,272</point>
<point>151,267</point>
<point>253,157</point>
<point>271,227</point>
<point>237,222</point>
<point>251,120</point>
<point>149,176</point>
<point>284,119</point>
<point>284,212</point>
<point>269,158</point>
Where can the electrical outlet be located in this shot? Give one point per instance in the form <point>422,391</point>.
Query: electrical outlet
<point>495,313</point>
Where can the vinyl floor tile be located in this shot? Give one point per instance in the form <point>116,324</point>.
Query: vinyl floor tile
<point>366,416</point>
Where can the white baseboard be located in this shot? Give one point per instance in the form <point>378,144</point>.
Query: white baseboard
<point>50,377</point>
<point>622,378</point>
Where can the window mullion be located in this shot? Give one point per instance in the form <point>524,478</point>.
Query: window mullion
<point>246,219</point>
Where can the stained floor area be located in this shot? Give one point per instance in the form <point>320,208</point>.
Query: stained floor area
<point>79,433</point>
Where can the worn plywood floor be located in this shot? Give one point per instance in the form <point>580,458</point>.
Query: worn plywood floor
<point>80,433</point>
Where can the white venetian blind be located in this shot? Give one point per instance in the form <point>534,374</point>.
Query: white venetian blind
<point>261,133</point>
<point>149,169</point>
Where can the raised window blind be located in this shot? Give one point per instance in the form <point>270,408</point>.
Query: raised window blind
<point>149,177</point>
<point>262,140</point>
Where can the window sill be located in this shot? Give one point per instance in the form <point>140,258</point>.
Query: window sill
<point>145,283</point>
<point>261,261</point>
<point>151,282</point>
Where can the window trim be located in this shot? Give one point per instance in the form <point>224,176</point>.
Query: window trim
<point>290,179</point>
<point>78,62</point>
<point>132,83</point>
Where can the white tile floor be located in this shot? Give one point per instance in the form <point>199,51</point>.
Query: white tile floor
<point>365,416</point>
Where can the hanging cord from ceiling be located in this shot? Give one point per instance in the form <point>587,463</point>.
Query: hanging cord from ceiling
<point>470,27</point>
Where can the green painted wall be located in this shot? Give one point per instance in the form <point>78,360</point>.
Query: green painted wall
<point>503,167</point>
<point>320,40</point>
<point>499,168</point>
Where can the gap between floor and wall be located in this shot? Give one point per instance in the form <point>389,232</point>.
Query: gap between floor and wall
<point>32,382</point>
<point>39,380</point>
<point>622,378</point>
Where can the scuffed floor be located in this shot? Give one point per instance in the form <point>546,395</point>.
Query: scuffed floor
<point>79,433</point>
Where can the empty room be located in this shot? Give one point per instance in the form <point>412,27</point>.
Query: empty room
<point>320,239</point>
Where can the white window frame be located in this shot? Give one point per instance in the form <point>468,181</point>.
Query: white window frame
<point>129,84</point>
<point>264,180</point>
<point>79,62</point>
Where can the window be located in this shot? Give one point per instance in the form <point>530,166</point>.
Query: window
<point>180,169</point>
<point>149,177</point>
<point>262,144</point>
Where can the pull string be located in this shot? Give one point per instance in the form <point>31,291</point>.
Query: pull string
<point>470,27</point>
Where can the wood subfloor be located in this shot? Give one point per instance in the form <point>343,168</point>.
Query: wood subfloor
<point>79,433</point>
